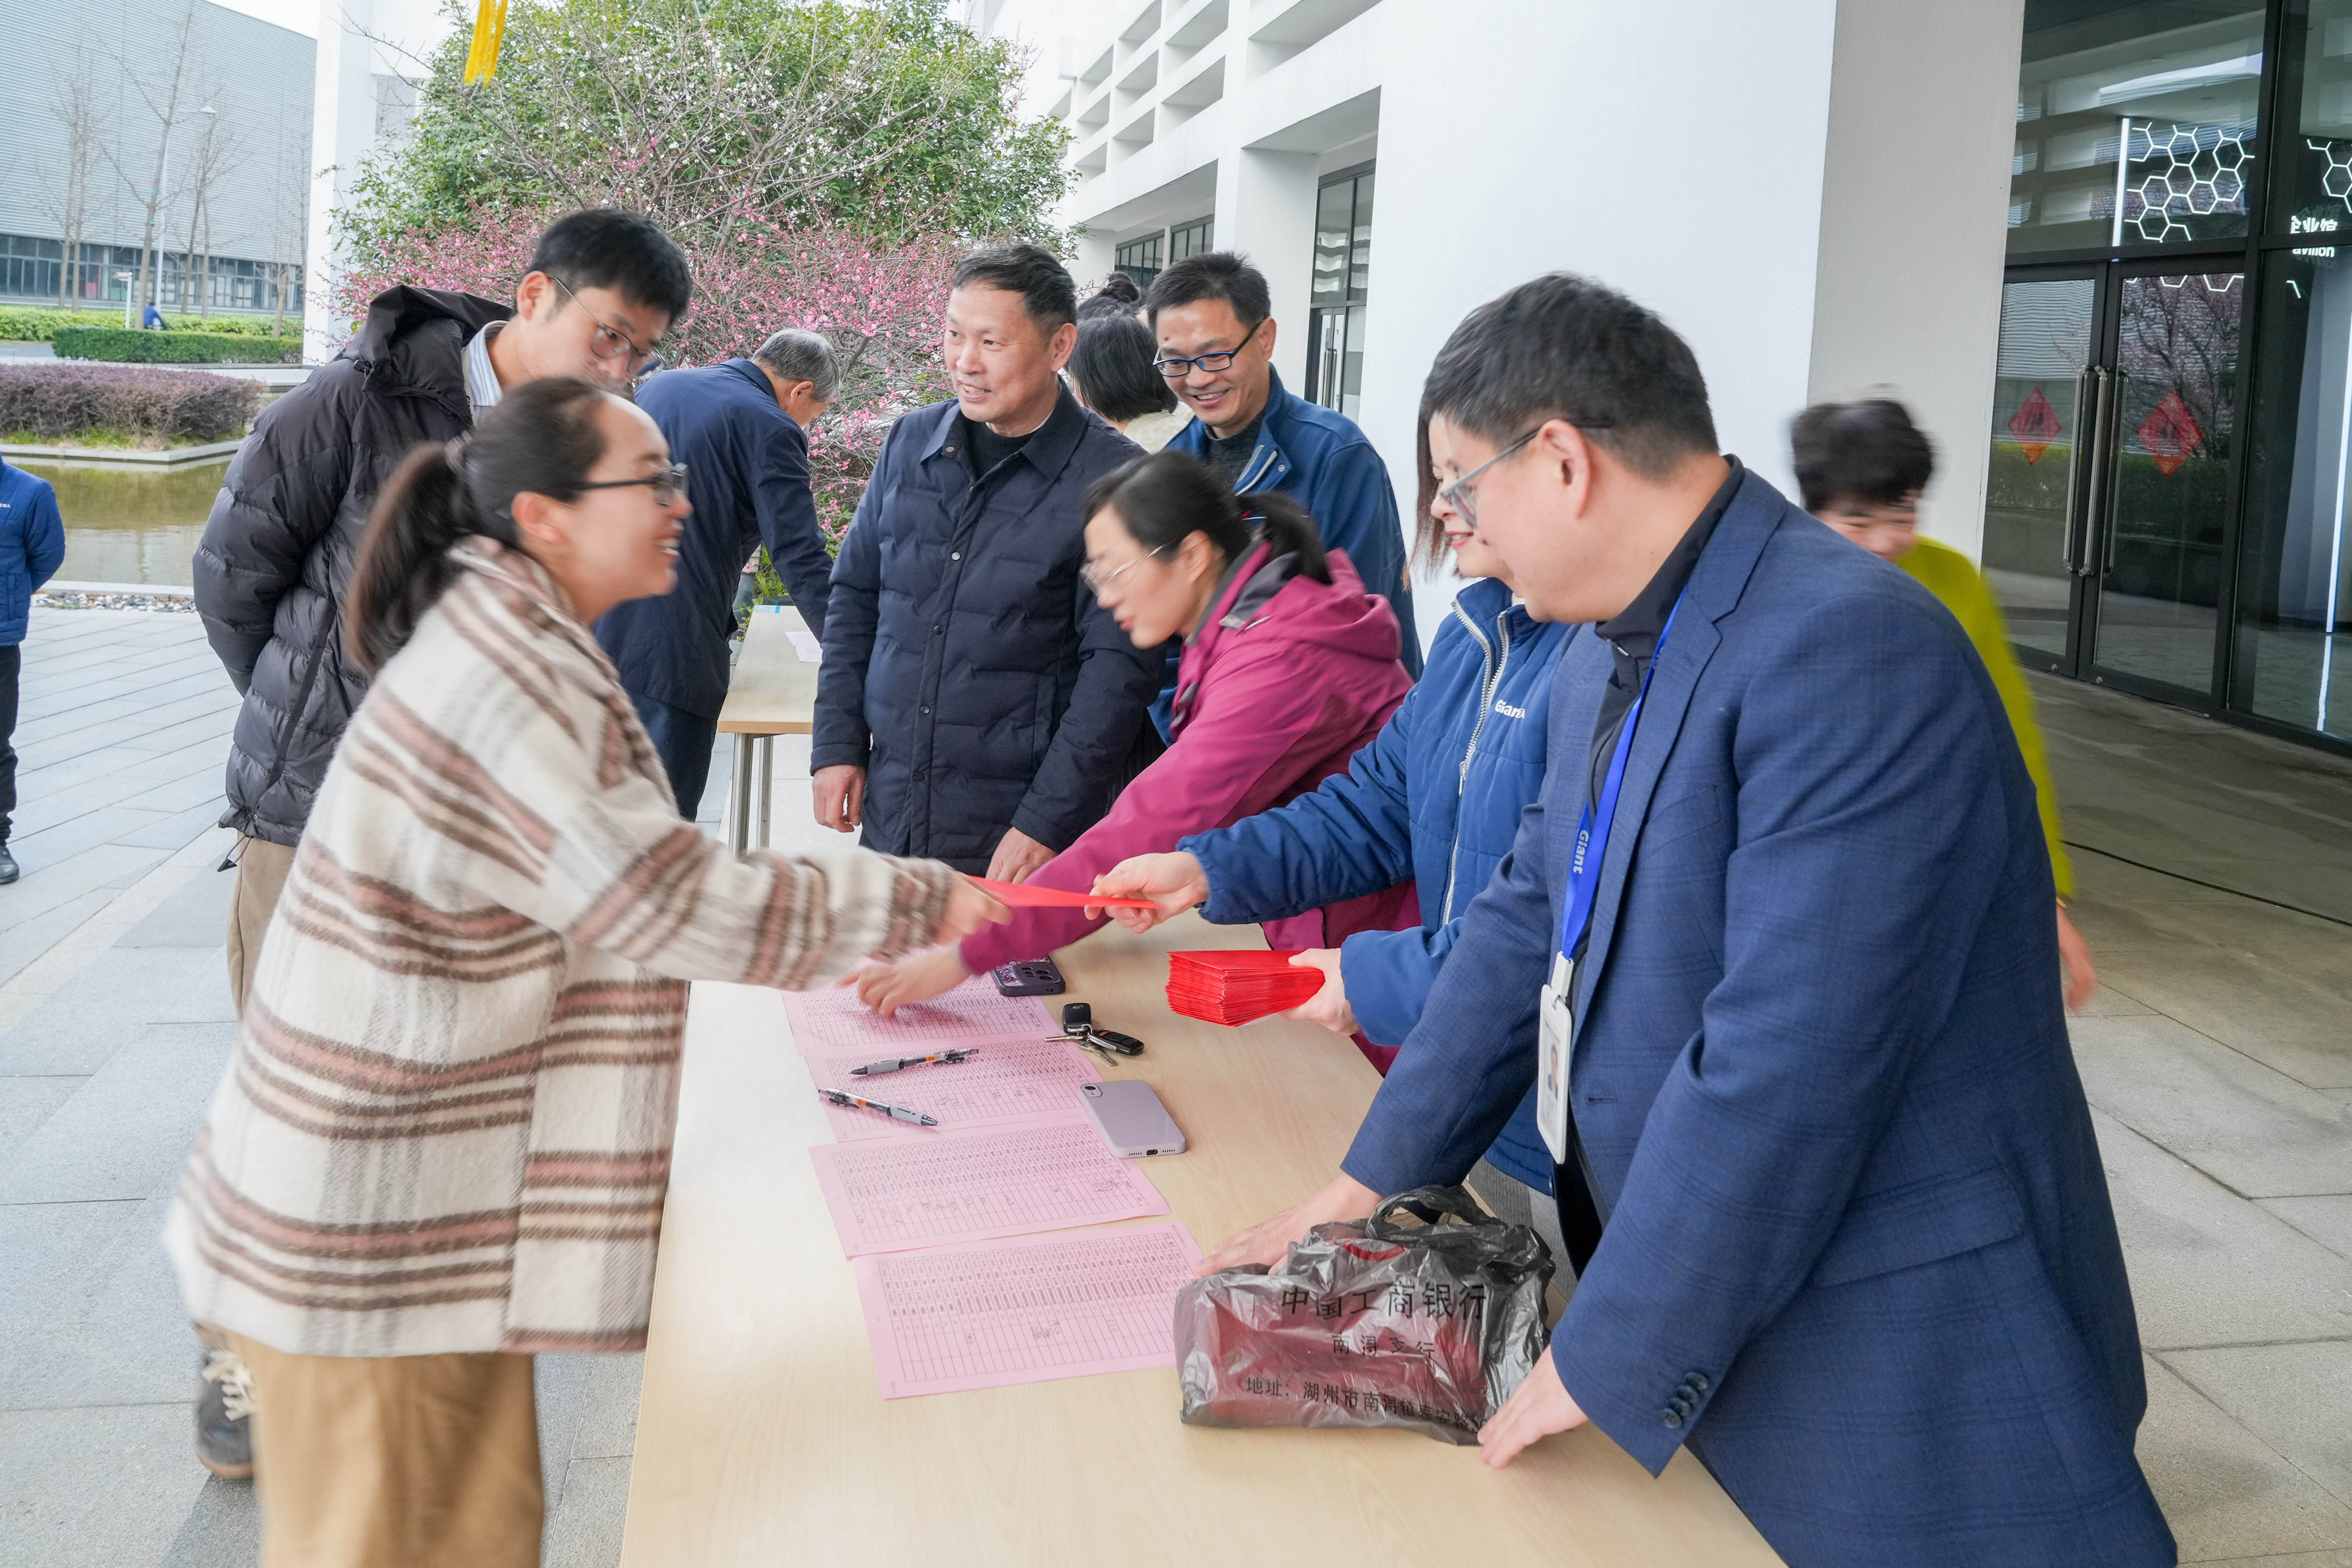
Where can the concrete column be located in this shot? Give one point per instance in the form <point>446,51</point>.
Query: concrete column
<point>1266,210</point>
<point>343,125</point>
<point>1914,194</point>
<point>357,41</point>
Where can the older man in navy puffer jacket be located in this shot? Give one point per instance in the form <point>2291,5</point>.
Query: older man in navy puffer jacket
<point>975,705</point>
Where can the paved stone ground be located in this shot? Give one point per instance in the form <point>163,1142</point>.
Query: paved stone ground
<point>2218,1059</point>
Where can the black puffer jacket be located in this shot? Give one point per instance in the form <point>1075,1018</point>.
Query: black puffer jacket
<point>278,549</point>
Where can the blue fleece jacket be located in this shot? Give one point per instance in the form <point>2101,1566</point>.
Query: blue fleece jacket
<point>1436,797</point>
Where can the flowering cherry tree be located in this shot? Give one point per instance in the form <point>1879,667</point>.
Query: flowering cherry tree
<point>878,304</point>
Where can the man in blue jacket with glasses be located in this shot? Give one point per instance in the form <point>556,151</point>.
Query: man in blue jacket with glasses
<point>1213,317</point>
<point>32,544</point>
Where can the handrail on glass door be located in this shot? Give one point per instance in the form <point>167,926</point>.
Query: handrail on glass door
<point>2085,400</point>
<point>2078,553</point>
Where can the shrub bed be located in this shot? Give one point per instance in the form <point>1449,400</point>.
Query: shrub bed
<point>39,323</point>
<point>155,407</point>
<point>123,345</point>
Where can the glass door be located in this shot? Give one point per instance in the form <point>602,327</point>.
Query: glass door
<point>2046,407</point>
<point>2167,456</point>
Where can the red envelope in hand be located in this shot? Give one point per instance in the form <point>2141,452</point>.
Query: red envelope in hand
<point>1235,986</point>
<point>1022,896</point>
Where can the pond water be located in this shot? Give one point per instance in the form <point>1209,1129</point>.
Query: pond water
<point>128,525</point>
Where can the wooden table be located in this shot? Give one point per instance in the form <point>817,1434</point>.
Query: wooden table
<point>772,692</point>
<point>762,1438</point>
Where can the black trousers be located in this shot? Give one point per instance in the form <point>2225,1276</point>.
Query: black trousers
<point>12,664</point>
<point>683,741</point>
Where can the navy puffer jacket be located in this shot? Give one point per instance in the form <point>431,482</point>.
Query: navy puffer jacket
<point>1436,797</point>
<point>966,667</point>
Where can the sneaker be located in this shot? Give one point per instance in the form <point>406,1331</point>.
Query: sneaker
<point>224,1416</point>
<point>7,865</point>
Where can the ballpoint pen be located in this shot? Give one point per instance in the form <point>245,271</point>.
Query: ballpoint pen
<point>898,1112</point>
<point>875,1070</point>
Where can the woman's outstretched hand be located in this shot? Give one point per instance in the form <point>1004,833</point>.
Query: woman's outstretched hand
<point>969,910</point>
<point>886,987</point>
<point>1268,1243</point>
<point>1175,882</point>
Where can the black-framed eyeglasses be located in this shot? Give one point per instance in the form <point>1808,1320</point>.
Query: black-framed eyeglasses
<point>610,343</point>
<point>1176,367</point>
<point>667,485</point>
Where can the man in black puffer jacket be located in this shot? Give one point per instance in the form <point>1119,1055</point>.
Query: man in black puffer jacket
<point>602,289</point>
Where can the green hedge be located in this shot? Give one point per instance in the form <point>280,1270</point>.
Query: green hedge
<point>38,324</point>
<point>123,345</point>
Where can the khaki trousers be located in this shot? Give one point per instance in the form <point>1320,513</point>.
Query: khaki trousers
<point>261,868</point>
<point>394,1461</point>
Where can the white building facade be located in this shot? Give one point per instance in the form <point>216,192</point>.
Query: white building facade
<point>1812,193</point>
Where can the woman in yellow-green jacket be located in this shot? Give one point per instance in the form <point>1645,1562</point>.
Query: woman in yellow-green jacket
<point>1860,467</point>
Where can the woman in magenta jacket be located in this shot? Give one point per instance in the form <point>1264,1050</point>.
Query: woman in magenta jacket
<point>1289,666</point>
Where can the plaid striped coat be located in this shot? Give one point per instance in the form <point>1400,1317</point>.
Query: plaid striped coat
<point>446,1124</point>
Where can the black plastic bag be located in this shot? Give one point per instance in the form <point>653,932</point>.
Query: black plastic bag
<point>1370,1323</point>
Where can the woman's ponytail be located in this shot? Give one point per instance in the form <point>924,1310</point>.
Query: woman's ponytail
<point>404,558</point>
<point>1289,528</point>
<point>1169,496</point>
<point>543,437</point>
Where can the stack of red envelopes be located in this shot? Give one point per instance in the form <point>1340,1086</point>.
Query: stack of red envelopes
<point>1236,987</point>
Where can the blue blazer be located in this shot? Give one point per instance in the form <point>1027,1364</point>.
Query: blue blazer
<point>1434,799</point>
<point>1860,1255</point>
<point>747,475</point>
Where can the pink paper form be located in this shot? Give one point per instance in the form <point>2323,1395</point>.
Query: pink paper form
<point>1026,1311</point>
<point>887,1195</point>
<point>972,1011</point>
<point>1007,1080</point>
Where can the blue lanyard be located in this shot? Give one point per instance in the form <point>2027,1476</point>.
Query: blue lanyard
<point>1592,829</point>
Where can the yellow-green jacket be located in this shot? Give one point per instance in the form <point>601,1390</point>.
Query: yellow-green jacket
<point>1960,588</point>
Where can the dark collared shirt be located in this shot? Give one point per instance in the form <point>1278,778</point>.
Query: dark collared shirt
<point>1634,631</point>
<point>1229,455</point>
<point>987,447</point>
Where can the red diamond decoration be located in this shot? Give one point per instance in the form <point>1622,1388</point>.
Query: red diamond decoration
<point>2172,434</point>
<point>2035,425</point>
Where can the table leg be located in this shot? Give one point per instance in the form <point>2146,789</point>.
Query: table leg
<point>765,788</point>
<point>739,789</point>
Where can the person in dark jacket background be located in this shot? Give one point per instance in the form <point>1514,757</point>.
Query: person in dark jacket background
<point>1213,317</point>
<point>32,543</point>
<point>740,428</point>
<point>975,705</point>
<point>276,558</point>
<point>1434,799</point>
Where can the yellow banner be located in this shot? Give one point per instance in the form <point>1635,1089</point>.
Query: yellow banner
<point>489,31</point>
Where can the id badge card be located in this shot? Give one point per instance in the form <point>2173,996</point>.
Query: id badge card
<point>1555,1030</point>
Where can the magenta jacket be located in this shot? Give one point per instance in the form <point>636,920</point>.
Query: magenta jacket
<point>1285,681</point>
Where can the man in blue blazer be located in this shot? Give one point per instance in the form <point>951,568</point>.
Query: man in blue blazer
<point>1856,1249</point>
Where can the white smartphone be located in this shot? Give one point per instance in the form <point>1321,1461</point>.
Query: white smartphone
<point>1131,1119</point>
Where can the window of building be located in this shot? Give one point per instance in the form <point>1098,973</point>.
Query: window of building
<point>1195,238</point>
<point>1139,258</point>
<point>2136,123</point>
<point>1336,296</point>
